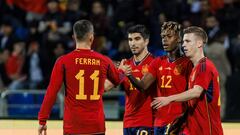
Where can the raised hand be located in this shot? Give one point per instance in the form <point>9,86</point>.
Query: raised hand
<point>121,64</point>
<point>159,102</point>
<point>127,69</point>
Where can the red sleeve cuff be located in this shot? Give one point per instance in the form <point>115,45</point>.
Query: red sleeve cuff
<point>42,122</point>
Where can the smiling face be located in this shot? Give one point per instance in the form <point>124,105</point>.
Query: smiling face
<point>170,40</point>
<point>137,43</point>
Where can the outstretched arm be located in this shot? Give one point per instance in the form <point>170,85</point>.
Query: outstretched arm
<point>195,92</point>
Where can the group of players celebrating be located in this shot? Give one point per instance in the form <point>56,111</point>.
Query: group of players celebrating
<point>176,94</point>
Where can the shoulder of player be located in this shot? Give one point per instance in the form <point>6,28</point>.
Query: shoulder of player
<point>62,58</point>
<point>160,58</point>
<point>205,65</point>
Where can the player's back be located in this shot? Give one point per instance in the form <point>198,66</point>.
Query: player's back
<point>84,74</point>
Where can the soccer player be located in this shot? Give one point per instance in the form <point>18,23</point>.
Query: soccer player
<point>203,95</point>
<point>83,72</point>
<point>138,116</point>
<point>170,72</point>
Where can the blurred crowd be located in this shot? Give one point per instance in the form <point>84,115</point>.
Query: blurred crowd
<point>35,33</point>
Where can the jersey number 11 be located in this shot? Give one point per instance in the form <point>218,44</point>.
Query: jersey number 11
<point>94,76</point>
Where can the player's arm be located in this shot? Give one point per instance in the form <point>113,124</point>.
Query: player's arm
<point>51,94</point>
<point>195,92</point>
<point>142,84</point>
<point>114,75</point>
<point>108,85</point>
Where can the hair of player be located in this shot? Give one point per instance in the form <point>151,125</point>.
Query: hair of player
<point>197,31</point>
<point>82,28</point>
<point>139,29</point>
<point>172,26</point>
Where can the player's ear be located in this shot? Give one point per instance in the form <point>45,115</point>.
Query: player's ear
<point>73,37</point>
<point>199,43</point>
<point>91,37</point>
<point>146,41</point>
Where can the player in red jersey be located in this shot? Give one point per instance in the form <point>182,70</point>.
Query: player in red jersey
<point>170,72</point>
<point>83,72</point>
<point>203,95</point>
<point>138,117</point>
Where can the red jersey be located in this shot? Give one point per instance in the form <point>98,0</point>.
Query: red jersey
<point>83,73</point>
<point>138,111</point>
<point>14,65</point>
<point>172,78</point>
<point>204,112</point>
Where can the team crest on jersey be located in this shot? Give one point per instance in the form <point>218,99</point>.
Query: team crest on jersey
<point>144,69</point>
<point>178,69</point>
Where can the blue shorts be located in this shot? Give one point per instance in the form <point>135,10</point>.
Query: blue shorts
<point>161,130</point>
<point>165,131</point>
<point>138,131</point>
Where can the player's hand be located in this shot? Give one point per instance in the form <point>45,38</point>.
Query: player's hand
<point>159,102</point>
<point>127,70</point>
<point>42,130</point>
<point>121,64</point>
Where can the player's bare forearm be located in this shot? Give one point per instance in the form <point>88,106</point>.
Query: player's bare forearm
<point>159,102</point>
<point>195,92</point>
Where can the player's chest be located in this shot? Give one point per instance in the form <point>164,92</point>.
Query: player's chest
<point>171,69</point>
<point>171,75</point>
<point>139,70</point>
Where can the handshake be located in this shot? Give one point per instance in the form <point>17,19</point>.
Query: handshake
<point>125,67</point>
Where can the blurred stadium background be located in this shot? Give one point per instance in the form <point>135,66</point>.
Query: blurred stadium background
<point>33,34</point>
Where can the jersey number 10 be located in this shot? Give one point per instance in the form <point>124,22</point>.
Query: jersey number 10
<point>94,76</point>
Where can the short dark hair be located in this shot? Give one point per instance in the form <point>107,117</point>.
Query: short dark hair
<point>172,26</point>
<point>198,31</point>
<point>139,29</point>
<point>81,28</point>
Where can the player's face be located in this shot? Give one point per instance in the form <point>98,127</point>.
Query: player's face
<point>170,40</point>
<point>190,44</point>
<point>137,43</point>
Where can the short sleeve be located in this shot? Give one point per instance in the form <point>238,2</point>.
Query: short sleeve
<point>203,78</point>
